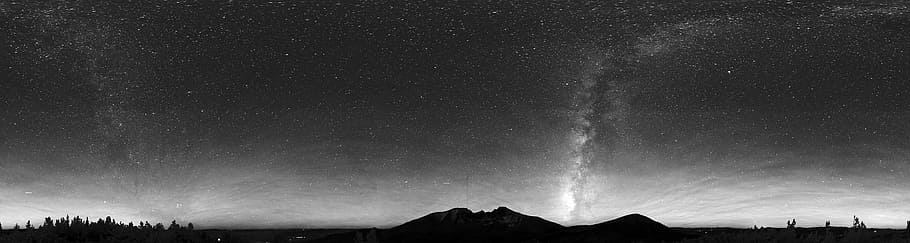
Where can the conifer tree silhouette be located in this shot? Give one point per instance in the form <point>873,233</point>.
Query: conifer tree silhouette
<point>855,222</point>
<point>174,226</point>
<point>102,230</point>
<point>48,223</point>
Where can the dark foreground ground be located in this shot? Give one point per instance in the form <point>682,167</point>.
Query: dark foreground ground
<point>819,234</point>
<point>457,225</point>
<point>713,235</point>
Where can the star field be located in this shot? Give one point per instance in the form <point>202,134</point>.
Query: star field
<point>323,114</point>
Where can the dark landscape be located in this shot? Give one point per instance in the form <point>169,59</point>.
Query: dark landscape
<point>457,225</point>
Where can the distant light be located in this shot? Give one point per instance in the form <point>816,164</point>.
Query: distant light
<point>28,192</point>
<point>219,239</point>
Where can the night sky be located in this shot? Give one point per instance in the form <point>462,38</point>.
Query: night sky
<point>324,114</point>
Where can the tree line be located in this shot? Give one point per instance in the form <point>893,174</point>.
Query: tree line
<point>105,229</point>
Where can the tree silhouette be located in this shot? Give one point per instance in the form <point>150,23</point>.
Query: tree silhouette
<point>189,226</point>
<point>857,224</point>
<point>174,226</point>
<point>791,224</point>
<point>102,230</point>
<point>48,223</point>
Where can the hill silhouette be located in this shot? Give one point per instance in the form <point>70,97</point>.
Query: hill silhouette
<point>629,228</point>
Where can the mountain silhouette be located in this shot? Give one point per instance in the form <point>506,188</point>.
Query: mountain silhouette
<point>463,225</point>
<point>629,228</point>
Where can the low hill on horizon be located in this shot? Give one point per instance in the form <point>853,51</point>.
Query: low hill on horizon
<point>630,228</point>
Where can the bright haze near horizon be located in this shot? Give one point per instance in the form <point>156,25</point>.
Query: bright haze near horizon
<point>247,114</point>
